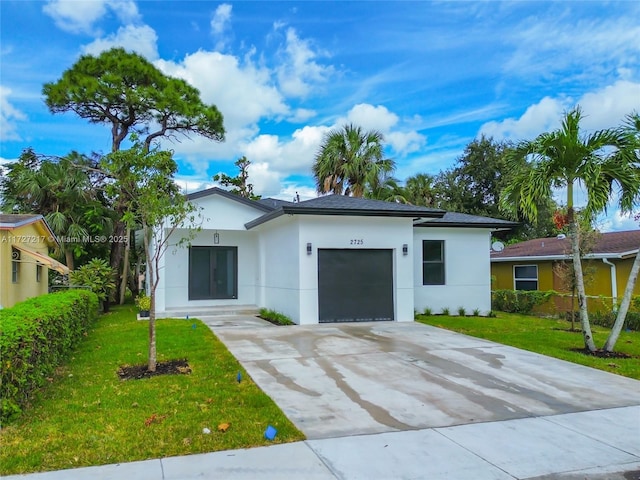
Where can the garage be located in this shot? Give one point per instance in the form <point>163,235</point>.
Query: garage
<point>355,285</point>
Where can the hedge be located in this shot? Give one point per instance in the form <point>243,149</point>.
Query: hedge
<point>519,301</point>
<point>35,336</point>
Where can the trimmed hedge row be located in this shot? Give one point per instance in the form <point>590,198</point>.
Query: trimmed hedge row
<point>35,336</point>
<point>519,301</point>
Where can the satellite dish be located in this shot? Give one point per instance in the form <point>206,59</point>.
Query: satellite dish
<point>497,246</point>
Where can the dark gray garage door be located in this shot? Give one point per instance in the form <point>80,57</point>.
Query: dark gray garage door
<point>355,285</point>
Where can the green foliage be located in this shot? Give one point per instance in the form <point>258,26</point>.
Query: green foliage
<point>476,312</point>
<point>427,311</point>
<point>128,93</point>
<point>143,302</point>
<point>97,275</point>
<point>519,301</point>
<point>445,311</point>
<point>88,416</point>
<point>462,312</point>
<point>240,184</point>
<point>350,161</point>
<point>35,336</point>
<point>275,317</point>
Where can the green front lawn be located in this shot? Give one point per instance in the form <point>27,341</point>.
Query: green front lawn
<point>546,336</point>
<point>89,416</point>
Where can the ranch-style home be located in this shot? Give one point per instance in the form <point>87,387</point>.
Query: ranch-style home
<point>330,259</point>
<point>25,241</point>
<point>541,263</point>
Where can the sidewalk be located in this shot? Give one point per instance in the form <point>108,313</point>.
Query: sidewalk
<point>592,445</point>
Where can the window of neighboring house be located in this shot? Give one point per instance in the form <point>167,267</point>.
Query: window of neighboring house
<point>38,273</point>
<point>213,273</point>
<point>15,266</point>
<point>525,277</point>
<point>433,262</point>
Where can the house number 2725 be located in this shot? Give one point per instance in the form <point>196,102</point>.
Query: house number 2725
<point>357,241</point>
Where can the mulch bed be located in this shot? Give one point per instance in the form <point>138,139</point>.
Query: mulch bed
<point>602,353</point>
<point>170,367</point>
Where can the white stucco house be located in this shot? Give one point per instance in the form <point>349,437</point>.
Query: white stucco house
<point>330,259</point>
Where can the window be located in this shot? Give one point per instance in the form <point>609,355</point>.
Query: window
<point>525,277</point>
<point>38,273</point>
<point>213,273</point>
<point>15,266</point>
<point>433,262</point>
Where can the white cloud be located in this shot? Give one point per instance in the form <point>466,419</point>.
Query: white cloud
<point>300,71</point>
<point>221,18</point>
<point>615,221</point>
<point>141,39</point>
<point>80,17</point>
<point>372,118</point>
<point>607,107</point>
<point>8,116</point>
<point>540,117</point>
<point>603,108</point>
<point>301,115</point>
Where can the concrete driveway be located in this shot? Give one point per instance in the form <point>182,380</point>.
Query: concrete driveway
<point>350,379</point>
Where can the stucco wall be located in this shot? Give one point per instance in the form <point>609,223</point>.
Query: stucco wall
<point>467,271</point>
<point>33,238</point>
<point>344,232</point>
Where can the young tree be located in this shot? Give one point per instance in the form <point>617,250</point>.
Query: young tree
<point>129,94</point>
<point>350,160</point>
<point>240,184</point>
<point>157,205</point>
<point>564,158</point>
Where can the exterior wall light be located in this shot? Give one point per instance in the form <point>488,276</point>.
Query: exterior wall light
<point>308,249</point>
<point>405,249</point>
<point>216,238</point>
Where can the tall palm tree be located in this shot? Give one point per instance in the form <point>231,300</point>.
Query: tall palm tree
<point>564,159</point>
<point>350,160</point>
<point>419,190</point>
<point>632,125</point>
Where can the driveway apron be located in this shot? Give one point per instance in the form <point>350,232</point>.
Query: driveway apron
<point>361,378</point>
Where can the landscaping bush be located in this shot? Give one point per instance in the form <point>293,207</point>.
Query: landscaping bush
<point>608,318</point>
<point>35,336</point>
<point>274,317</point>
<point>519,301</point>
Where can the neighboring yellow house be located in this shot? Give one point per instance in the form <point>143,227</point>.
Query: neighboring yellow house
<point>25,241</point>
<point>537,265</point>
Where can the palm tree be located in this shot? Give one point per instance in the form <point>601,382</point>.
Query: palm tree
<point>350,160</point>
<point>564,159</point>
<point>632,126</point>
<point>419,190</point>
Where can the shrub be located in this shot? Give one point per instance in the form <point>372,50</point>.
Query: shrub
<point>143,302</point>
<point>607,319</point>
<point>519,301</point>
<point>476,312</point>
<point>427,311</point>
<point>445,311</point>
<point>98,276</point>
<point>274,317</point>
<point>462,312</point>
<point>35,336</point>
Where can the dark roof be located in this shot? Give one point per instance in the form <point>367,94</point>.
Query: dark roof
<point>273,203</point>
<point>13,220</point>
<point>230,196</point>
<point>614,244</point>
<point>453,219</point>
<point>344,205</point>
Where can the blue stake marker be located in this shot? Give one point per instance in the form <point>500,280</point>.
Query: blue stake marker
<point>239,377</point>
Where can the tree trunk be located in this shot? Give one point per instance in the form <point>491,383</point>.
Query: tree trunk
<point>117,252</point>
<point>68,255</point>
<point>152,296</point>
<point>125,267</point>
<point>624,306</point>
<point>582,296</point>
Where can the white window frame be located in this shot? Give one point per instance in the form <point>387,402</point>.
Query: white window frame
<point>525,279</point>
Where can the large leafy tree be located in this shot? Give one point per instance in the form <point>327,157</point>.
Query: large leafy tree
<point>240,184</point>
<point>130,95</point>
<point>155,203</point>
<point>600,162</point>
<point>66,192</point>
<point>351,160</point>
<point>474,185</point>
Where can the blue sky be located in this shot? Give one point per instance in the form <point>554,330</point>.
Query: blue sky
<point>431,76</point>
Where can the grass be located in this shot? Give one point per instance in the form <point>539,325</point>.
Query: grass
<point>546,336</point>
<point>274,317</point>
<point>88,416</point>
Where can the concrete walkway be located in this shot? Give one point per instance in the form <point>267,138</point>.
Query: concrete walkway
<point>409,401</point>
